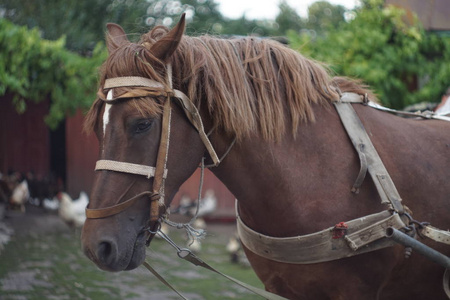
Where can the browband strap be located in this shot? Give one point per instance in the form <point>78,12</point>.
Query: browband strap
<point>187,105</point>
<point>131,81</point>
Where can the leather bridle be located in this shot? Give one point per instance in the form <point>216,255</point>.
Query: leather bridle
<point>145,87</point>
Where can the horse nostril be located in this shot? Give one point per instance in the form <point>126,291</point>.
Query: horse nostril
<point>105,252</point>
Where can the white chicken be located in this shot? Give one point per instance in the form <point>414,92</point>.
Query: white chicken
<point>207,205</point>
<point>20,195</point>
<point>73,211</point>
<point>234,247</point>
<point>50,204</point>
<point>184,206</point>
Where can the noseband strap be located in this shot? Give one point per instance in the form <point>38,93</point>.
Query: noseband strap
<point>112,165</point>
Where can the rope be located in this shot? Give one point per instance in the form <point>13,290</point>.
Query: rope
<point>157,275</point>
<point>193,233</point>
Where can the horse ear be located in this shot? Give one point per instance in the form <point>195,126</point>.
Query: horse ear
<point>116,36</point>
<point>166,46</point>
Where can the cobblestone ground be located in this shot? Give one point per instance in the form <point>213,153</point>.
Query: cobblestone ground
<point>41,258</point>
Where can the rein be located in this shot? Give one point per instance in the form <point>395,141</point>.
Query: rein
<point>187,255</point>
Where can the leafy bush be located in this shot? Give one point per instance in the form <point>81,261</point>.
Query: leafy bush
<point>389,52</point>
<point>34,69</point>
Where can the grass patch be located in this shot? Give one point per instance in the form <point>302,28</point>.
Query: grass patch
<point>51,265</point>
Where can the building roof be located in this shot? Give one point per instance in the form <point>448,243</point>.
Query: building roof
<point>434,14</point>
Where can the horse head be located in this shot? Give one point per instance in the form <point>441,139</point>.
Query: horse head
<point>137,173</point>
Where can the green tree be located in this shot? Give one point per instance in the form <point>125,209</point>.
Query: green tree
<point>201,15</point>
<point>34,69</point>
<point>81,21</point>
<point>244,26</point>
<point>288,19</point>
<point>389,54</point>
<point>323,16</point>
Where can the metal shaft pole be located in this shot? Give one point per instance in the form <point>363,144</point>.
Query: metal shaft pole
<point>423,249</point>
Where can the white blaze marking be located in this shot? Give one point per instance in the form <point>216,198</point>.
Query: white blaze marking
<point>106,116</point>
<point>106,112</point>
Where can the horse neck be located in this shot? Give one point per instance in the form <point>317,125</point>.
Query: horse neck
<point>293,182</point>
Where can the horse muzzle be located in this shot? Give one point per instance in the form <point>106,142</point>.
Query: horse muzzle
<point>113,252</point>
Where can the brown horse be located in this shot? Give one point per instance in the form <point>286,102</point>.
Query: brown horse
<point>291,168</point>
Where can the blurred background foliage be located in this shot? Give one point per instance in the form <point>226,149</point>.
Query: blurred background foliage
<point>54,48</point>
<point>36,69</point>
<point>390,53</point>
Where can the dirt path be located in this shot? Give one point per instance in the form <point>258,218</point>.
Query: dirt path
<point>43,260</point>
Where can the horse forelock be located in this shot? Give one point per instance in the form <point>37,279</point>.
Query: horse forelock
<point>248,84</point>
<point>127,60</point>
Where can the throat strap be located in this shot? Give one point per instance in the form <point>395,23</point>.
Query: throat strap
<point>194,117</point>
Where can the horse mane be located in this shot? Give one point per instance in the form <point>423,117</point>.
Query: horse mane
<point>247,84</point>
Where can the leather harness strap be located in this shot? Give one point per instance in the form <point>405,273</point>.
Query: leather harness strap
<point>195,119</point>
<point>362,143</point>
<point>130,168</point>
<point>128,81</point>
<point>361,235</point>
<point>92,213</point>
<point>158,182</point>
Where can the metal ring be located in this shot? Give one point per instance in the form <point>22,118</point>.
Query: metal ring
<point>184,252</point>
<point>158,227</point>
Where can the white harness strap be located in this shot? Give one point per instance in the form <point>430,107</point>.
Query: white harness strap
<point>124,167</point>
<point>132,81</point>
<point>189,108</point>
<point>363,235</point>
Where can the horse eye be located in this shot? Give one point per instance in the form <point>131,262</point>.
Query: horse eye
<point>143,126</point>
